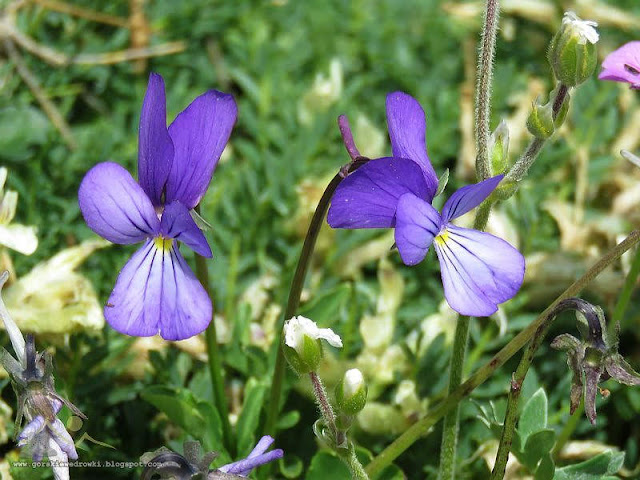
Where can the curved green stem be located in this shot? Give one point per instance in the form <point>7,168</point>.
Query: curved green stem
<point>625,294</point>
<point>297,283</point>
<point>452,419</point>
<point>215,363</point>
<point>420,428</point>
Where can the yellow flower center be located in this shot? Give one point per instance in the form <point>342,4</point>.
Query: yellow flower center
<point>163,244</point>
<point>442,237</point>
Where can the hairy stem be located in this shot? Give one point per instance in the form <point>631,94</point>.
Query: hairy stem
<point>420,428</point>
<point>323,403</point>
<point>215,363</point>
<point>521,167</point>
<point>297,283</point>
<point>452,419</point>
<point>355,467</point>
<point>483,88</point>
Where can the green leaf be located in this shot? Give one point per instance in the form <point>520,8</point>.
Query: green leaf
<point>546,469</point>
<point>324,309</point>
<point>197,417</point>
<point>21,128</point>
<point>538,445</point>
<point>288,420</point>
<point>534,415</point>
<point>290,466</point>
<point>325,465</point>
<point>600,467</point>
<point>250,415</point>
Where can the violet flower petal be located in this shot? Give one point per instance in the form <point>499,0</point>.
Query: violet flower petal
<point>417,222</point>
<point>478,270</point>
<point>155,148</point>
<point>134,305</point>
<point>192,308</point>
<point>263,444</point>
<point>177,223</point>
<point>30,430</point>
<point>115,206</point>
<point>367,198</point>
<point>60,467</point>
<point>156,292</point>
<point>59,433</point>
<point>199,133</point>
<point>468,197</point>
<point>623,65</point>
<point>407,126</point>
<point>244,467</point>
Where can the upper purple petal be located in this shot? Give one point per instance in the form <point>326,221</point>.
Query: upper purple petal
<point>155,148</point>
<point>115,206</point>
<point>468,197</point>
<point>177,223</point>
<point>407,126</point>
<point>623,65</point>
<point>417,222</point>
<point>479,270</point>
<point>156,292</point>
<point>368,197</point>
<point>199,133</point>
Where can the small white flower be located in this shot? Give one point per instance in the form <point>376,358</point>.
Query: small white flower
<point>298,327</point>
<point>584,28</point>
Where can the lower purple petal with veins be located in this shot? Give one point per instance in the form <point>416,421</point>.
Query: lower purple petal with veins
<point>368,197</point>
<point>479,271</point>
<point>156,292</point>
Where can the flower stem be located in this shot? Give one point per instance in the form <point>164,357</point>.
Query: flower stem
<point>323,403</point>
<point>511,416</point>
<point>355,467</point>
<point>483,88</point>
<point>215,363</point>
<point>521,167</point>
<point>296,289</point>
<point>627,290</point>
<point>339,437</point>
<point>451,420</point>
<point>417,430</point>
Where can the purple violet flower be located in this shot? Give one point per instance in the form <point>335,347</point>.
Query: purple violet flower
<point>478,270</point>
<point>156,291</point>
<point>623,65</point>
<point>256,458</point>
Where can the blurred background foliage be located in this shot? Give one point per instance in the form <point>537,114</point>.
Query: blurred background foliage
<point>293,67</point>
